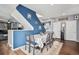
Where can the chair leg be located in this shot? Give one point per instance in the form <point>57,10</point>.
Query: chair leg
<point>25,47</point>
<point>50,45</point>
<point>41,50</point>
<point>33,50</point>
<point>47,47</point>
<point>29,49</point>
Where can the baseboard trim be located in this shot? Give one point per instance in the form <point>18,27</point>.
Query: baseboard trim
<point>57,39</point>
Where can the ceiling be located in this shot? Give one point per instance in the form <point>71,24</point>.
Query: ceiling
<point>45,10</point>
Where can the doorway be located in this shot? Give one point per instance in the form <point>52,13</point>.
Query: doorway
<point>63,30</point>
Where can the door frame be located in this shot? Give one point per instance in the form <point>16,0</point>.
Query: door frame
<point>63,29</point>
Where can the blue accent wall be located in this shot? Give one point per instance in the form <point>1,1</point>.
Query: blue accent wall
<point>18,39</point>
<point>19,36</point>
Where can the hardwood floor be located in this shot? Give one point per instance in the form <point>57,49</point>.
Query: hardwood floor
<point>6,50</point>
<point>69,48</point>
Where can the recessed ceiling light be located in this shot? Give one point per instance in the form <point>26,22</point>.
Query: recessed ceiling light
<point>63,13</point>
<point>51,4</point>
<point>48,17</point>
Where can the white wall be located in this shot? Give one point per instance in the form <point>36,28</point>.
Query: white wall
<point>70,30</point>
<point>47,26</point>
<point>10,38</point>
<point>78,30</point>
<point>56,29</point>
<point>22,20</point>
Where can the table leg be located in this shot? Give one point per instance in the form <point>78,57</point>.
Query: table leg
<point>29,44</point>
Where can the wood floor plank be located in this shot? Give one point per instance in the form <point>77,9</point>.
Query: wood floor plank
<point>6,50</point>
<point>69,48</point>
